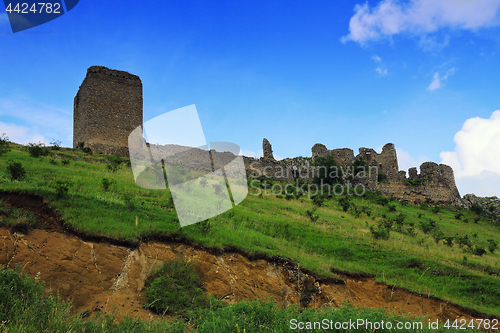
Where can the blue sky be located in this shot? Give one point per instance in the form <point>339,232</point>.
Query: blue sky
<point>421,74</point>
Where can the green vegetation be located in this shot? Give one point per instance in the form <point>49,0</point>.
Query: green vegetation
<point>25,308</point>
<point>408,246</point>
<point>174,289</point>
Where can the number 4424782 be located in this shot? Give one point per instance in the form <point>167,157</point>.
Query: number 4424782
<point>41,7</point>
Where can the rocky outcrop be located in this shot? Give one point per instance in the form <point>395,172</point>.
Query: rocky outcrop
<point>489,206</point>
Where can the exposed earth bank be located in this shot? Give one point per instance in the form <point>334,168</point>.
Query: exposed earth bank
<point>100,276</point>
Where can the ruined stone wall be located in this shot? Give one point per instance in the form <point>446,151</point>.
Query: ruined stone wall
<point>435,184</point>
<point>107,108</point>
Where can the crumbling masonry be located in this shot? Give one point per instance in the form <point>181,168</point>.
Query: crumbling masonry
<point>108,107</point>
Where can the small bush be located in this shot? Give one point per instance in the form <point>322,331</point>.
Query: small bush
<point>380,232</point>
<point>345,203</point>
<point>448,241</point>
<point>381,177</point>
<point>436,209</point>
<point>56,144</point>
<point>437,234</point>
<point>37,149</point>
<point>310,213</point>
<point>458,216</point>
<point>464,240</point>
<point>175,288</point>
<point>318,200</point>
<point>53,162</point>
<point>478,251</point>
<point>4,144</point>
<point>476,209</point>
<point>203,182</point>
<point>65,162</point>
<point>392,208</point>
<point>106,184</point>
<point>61,187</point>
<point>427,226</point>
<point>16,170</point>
<point>492,245</point>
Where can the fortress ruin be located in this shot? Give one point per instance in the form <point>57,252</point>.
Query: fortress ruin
<point>108,107</point>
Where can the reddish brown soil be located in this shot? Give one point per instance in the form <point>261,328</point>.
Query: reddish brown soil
<point>99,276</point>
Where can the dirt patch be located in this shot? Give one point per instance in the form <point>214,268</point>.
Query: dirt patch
<point>99,276</point>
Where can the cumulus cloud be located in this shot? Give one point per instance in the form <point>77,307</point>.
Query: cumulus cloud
<point>376,58</point>
<point>419,17</point>
<point>32,121</point>
<point>476,159</point>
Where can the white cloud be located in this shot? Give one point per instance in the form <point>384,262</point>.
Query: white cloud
<point>21,134</point>
<point>419,17</point>
<point>405,161</point>
<point>376,58</point>
<point>32,120</point>
<point>435,84</point>
<point>381,71</point>
<point>436,80</point>
<point>250,153</point>
<point>476,159</point>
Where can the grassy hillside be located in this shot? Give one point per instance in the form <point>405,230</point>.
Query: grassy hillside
<point>445,252</point>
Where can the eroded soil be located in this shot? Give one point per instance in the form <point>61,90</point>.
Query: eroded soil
<point>99,276</point>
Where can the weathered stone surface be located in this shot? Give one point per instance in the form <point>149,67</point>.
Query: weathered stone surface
<point>107,108</point>
<point>267,150</point>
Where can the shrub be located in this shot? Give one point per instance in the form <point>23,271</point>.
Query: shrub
<point>37,149</point>
<point>65,162</point>
<point>458,216</point>
<point>392,208</point>
<point>380,232</point>
<point>114,162</point>
<point>61,187</point>
<point>448,241</point>
<point>53,162</point>
<point>345,203</point>
<point>318,200</point>
<point>360,168</point>
<point>175,288</point>
<point>381,177</point>
<point>399,219</point>
<point>106,184</point>
<point>56,144</point>
<point>436,209</point>
<point>476,209</point>
<point>464,240</point>
<point>437,234</point>
<point>328,171</point>
<point>427,226</point>
<point>4,144</point>
<point>492,245</point>
<point>16,170</point>
<point>311,215</point>
<point>478,251</point>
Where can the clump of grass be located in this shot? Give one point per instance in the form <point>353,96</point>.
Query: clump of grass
<point>175,288</point>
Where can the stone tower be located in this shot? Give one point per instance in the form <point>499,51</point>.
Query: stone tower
<point>107,108</point>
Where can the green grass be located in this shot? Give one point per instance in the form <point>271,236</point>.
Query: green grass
<point>336,241</point>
